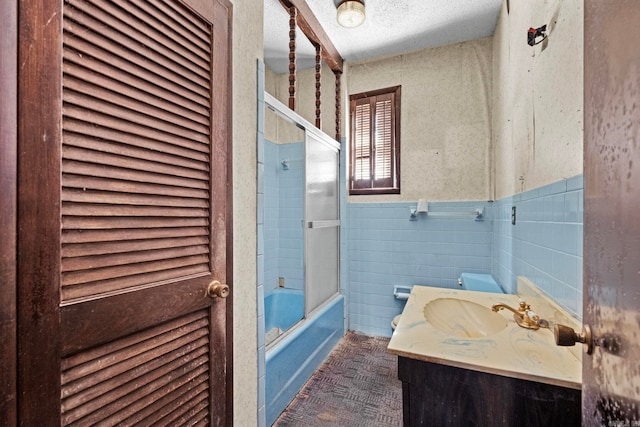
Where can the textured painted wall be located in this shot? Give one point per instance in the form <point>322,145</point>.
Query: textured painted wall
<point>306,106</point>
<point>279,130</point>
<point>537,100</point>
<point>247,46</point>
<point>271,121</point>
<point>445,119</point>
<point>278,86</point>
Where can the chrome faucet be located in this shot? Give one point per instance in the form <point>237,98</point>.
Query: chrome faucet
<point>523,316</point>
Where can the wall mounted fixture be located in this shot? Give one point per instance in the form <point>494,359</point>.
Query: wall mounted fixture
<point>422,208</point>
<point>351,13</point>
<point>534,33</point>
<point>286,163</point>
<point>401,292</point>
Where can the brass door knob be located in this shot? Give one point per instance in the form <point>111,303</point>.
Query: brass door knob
<point>217,290</point>
<point>566,336</point>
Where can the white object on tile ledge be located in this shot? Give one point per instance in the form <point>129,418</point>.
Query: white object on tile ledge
<point>401,292</point>
<point>422,208</point>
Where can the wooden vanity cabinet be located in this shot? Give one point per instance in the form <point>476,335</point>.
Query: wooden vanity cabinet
<point>440,395</point>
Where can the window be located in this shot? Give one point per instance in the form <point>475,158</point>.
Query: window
<point>375,142</point>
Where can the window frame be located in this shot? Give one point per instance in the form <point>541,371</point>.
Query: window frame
<point>370,186</point>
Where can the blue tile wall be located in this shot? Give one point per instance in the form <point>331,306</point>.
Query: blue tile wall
<point>545,244</point>
<point>382,248</point>
<point>291,182</point>
<point>385,249</point>
<point>271,216</point>
<point>283,215</point>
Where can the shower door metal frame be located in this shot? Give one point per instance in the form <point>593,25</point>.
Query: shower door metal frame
<point>286,113</point>
<point>312,226</point>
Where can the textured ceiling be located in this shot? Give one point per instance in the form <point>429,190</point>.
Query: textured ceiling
<point>390,28</point>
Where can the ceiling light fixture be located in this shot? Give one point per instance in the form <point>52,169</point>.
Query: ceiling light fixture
<point>351,13</point>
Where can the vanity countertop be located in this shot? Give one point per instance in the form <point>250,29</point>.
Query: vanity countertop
<point>513,352</point>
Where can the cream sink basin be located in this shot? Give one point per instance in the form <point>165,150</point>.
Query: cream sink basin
<point>463,318</point>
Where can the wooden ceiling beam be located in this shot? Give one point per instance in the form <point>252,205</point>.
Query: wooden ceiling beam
<point>311,28</point>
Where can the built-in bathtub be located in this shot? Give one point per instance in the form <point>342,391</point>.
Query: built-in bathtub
<point>283,308</point>
<point>292,358</point>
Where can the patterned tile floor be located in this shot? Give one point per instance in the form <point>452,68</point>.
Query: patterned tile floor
<point>357,386</point>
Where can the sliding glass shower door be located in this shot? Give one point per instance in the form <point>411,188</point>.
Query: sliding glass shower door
<point>322,219</point>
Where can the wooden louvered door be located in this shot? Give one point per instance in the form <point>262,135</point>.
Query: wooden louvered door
<point>124,212</point>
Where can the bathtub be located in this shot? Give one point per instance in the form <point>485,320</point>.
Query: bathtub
<point>282,309</point>
<point>291,361</point>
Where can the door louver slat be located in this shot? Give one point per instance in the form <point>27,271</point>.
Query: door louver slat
<point>83,250</point>
<point>154,18</point>
<point>138,38</point>
<point>106,158</point>
<point>90,236</point>
<point>108,89</point>
<point>95,170</point>
<point>88,183</point>
<point>96,399</point>
<point>83,223</point>
<point>137,359</point>
<point>130,199</point>
<point>158,73</point>
<point>134,130</point>
<point>179,18</point>
<point>130,149</point>
<point>139,378</point>
<point>121,141</point>
<point>135,117</point>
<point>87,209</point>
<point>126,17</point>
<point>185,393</point>
<point>188,415</point>
<point>163,273</point>
<point>136,146</point>
<point>103,261</point>
<point>119,271</point>
<point>122,163</point>
<point>103,363</point>
<point>102,60</point>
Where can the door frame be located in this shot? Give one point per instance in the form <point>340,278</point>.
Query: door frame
<point>8,211</point>
<point>611,301</point>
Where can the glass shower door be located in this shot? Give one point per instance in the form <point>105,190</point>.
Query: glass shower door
<point>322,220</point>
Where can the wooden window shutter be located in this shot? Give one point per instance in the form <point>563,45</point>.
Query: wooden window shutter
<point>136,146</point>
<point>362,140</point>
<point>375,144</point>
<point>383,142</point>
